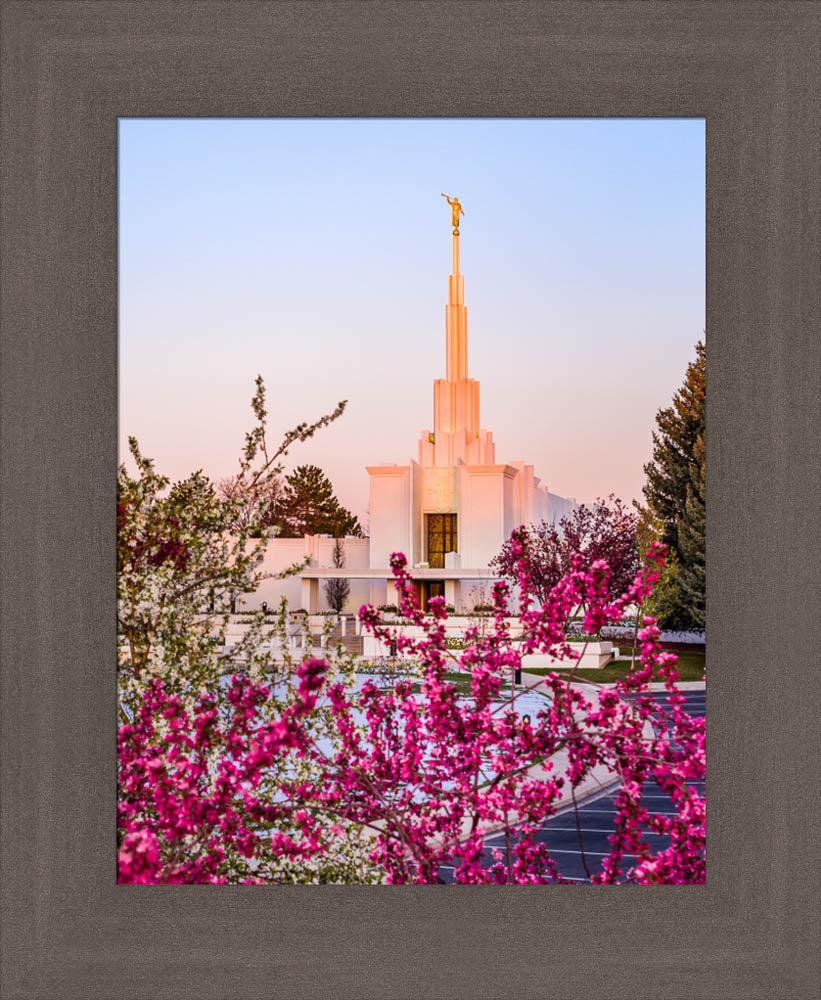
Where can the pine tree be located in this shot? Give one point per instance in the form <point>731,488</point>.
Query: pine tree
<point>691,577</point>
<point>310,507</point>
<point>675,491</point>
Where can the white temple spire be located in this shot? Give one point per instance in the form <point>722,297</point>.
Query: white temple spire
<point>456,435</point>
<point>456,323</point>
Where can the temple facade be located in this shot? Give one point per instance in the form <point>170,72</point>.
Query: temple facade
<point>451,508</point>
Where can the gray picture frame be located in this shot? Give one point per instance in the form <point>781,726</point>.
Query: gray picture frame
<point>69,69</point>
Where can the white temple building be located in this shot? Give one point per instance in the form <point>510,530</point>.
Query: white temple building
<point>449,510</point>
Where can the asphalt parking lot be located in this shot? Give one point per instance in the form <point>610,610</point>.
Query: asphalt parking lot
<point>596,822</point>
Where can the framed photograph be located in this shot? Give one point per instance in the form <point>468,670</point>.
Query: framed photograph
<point>76,76</point>
<point>436,562</point>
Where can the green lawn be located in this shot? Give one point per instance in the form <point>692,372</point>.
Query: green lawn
<point>690,667</point>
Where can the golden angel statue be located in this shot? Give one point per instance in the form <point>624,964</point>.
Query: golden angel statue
<point>457,210</point>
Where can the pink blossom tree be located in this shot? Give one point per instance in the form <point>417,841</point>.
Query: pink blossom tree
<point>605,531</point>
<point>421,779</point>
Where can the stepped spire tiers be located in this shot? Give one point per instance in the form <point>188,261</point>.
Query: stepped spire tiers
<point>456,435</point>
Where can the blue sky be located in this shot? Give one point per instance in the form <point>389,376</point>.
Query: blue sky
<point>316,252</point>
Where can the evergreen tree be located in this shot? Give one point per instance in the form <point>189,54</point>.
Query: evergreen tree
<point>675,492</point>
<point>691,577</point>
<point>664,598</point>
<point>310,507</point>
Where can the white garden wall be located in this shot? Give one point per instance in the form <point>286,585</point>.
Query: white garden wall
<point>285,552</point>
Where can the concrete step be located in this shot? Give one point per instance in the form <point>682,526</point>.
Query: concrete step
<point>352,644</point>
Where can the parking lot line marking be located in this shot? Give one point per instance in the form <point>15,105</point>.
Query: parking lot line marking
<point>585,829</point>
<point>657,798</point>
<point>610,812</point>
<point>654,788</point>
<point>595,854</point>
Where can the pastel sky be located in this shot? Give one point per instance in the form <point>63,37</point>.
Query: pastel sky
<point>316,253</point>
